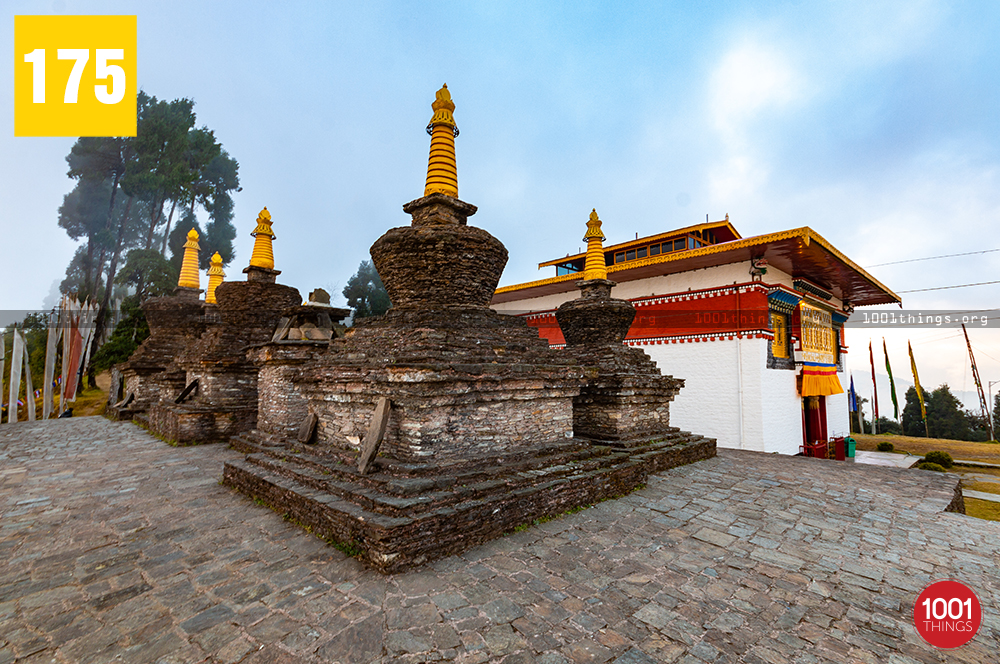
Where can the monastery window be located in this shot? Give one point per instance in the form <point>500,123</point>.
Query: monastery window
<point>818,343</point>
<point>679,244</point>
<point>640,252</point>
<point>779,323</point>
<point>654,250</point>
<point>630,255</point>
<point>620,257</point>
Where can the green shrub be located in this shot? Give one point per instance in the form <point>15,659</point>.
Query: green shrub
<point>924,465</point>
<point>942,459</point>
<point>884,446</point>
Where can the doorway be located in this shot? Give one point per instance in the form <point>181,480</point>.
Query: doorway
<point>814,417</point>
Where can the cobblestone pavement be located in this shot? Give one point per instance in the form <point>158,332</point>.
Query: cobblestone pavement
<point>118,548</point>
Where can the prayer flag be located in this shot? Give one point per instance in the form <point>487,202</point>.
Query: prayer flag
<point>892,384</point>
<point>51,347</point>
<point>29,389</point>
<point>871,359</point>
<point>916,382</point>
<point>3,353</point>
<point>16,358</point>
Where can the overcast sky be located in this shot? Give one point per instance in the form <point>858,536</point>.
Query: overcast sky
<point>874,123</point>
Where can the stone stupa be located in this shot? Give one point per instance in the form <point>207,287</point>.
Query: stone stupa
<point>441,424</point>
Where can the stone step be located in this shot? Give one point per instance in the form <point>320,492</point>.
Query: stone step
<point>418,478</point>
<point>433,528</point>
<point>394,496</point>
<point>397,480</point>
<point>380,493</point>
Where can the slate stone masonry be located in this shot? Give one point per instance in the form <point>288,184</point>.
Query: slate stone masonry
<point>225,401</point>
<point>483,431</point>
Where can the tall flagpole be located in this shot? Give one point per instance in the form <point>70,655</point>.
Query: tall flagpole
<point>871,360</point>
<point>892,383</point>
<point>3,354</point>
<point>920,391</point>
<point>979,384</point>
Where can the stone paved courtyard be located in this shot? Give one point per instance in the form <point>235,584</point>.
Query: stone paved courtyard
<point>119,548</point>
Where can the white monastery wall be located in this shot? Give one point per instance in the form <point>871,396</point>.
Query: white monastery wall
<point>729,392</point>
<point>770,417</point>
<point>709,401</point>
<point>710,277</point>
<point>782,411</point>
<point>543,303</point>
<point>838,419</point>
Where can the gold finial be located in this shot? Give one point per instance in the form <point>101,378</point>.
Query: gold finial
<point>189,265</point>
<point>442,172</point>
<point>595,266</point>
<point>263,253</point>
<point>215,276</point>
<point>594,227</point>
<point>443,108</point>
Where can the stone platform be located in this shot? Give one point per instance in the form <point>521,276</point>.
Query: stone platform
<point>119,548</point>
<point>404,515</point>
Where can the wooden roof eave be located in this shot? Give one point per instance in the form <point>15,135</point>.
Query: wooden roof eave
<point>797,252</point>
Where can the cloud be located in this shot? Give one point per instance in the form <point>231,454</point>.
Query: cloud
<point>749,80</point>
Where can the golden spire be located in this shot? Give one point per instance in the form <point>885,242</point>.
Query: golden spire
<point>189,266</point>
<point>263,254</point>
<point>215,276</point>
<point>595,267</point>
<point>442,174</point>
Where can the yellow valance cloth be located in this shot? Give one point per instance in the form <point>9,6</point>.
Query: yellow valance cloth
<point>820,380</point>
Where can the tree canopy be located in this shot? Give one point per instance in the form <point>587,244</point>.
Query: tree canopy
<point>129,191</point>
<point>945,416</point>
<point>365,293</point>
<point>127,194</point>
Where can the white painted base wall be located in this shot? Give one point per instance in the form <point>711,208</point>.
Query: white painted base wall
<point>769,417</point>
<point>838,419</point>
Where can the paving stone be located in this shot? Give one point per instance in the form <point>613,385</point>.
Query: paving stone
<point>823,564</point>
<point>207,618</point>
<point>502,610</point>
<point>398,643</point>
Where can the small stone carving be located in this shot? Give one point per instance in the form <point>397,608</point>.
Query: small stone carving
<point>186,392</point>
<point>376,431</point>
<point>308,428</point>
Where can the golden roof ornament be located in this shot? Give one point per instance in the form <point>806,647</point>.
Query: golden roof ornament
<point>594,227</point>
<point>443,108</point>
<point>595,266</point>
<point>442,171</point>
<point>215,277</point>
<point>263,252</point>
<point>189,277</point>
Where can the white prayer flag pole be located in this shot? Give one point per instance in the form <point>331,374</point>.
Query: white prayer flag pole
<point>16,357</point>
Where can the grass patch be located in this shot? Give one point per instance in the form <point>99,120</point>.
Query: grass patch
<point>958,449</point>
<point>959,468</point>
<point>985,487</point>
<point>982,509</point>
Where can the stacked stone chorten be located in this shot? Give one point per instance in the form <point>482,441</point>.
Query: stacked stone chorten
<point>151,374</point>
<point>219,395</point>
<point>627,404</point>
<point>302,337</point>
<point>441,424</point>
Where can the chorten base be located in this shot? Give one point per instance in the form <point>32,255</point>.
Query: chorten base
<point>183,424</point>
<point>402,515</point>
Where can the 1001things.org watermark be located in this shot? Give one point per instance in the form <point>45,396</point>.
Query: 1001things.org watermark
<point>922,318</point>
